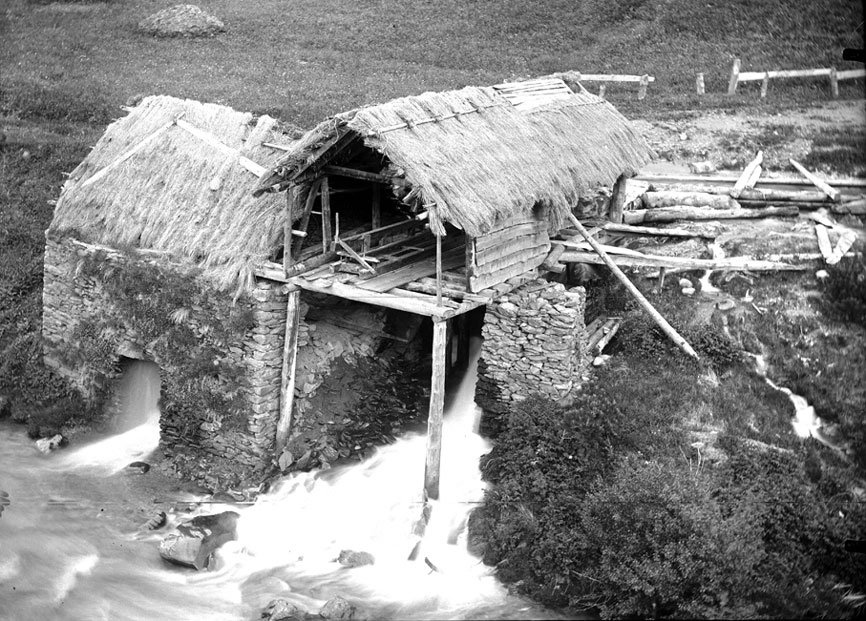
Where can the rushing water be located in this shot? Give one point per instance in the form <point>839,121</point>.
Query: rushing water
<point>71,546</point>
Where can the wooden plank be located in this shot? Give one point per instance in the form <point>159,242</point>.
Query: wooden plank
<point>824,244</point>
<point>408,273</point>
<point>650,230</point>
<point>635,292</point>
<point>497,237</point>
<point>305,218</point>
<point>843,245</point>
<point>753,179</point>
<point>434,417</point>
<point>376,207</point>
<point>477,281</point>
<point>287,376</point>
<point>128,154</point>
<point>352,173</point>
<point>648,260</point>
<point>507,248</point>
<point>735,77</point>
<point>257,169</point>
<point>495,264</point>
<point>740,185</point>
<point>438,270</point>
<point>754,76</point>
<point>326,216</point>
<point>292,202</point>
<point>389,229</point>
<point>398,300</point>
<point>833,193</point>
<point>672,214</point>
<point>851,74</point>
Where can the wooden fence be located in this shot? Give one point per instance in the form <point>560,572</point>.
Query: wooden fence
<point>765,76</point>
<point>576,76</point>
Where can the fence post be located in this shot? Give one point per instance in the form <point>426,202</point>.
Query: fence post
<point>834,82</point>
<point>735,77</point>
<point>601,90</point>
<point>641,91</point>
<point>765,83</point>
<point>699,82</point>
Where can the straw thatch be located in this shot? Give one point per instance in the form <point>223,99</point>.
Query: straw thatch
<point>493,159</point>
<point>178,194</point>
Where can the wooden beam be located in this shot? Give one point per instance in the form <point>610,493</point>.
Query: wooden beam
<point>287,377</point>
<point>735,77</point>
<point>438,270</point>
<point>292,201</point>
<point>651,260</point>
<point>672,214</point>
<point>257,169</point>
<point>701,179</point>
<point>833,193</point>
<point>740,185</point>
<point>434,418</point>
<point>326,216</point>
<point>308,209</point>
<point>651,230</point>
<point>353,173</point>
<point>629,285</point>
<point>376,207</point>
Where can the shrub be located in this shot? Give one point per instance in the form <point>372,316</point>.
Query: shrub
<point>845,290</point>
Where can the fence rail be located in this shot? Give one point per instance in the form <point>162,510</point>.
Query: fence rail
<point>765,76</point>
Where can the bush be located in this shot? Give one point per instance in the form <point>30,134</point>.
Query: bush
<point>845,290</point>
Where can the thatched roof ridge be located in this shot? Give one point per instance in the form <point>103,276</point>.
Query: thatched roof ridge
<point>178,193</point>
<point>484,159</point>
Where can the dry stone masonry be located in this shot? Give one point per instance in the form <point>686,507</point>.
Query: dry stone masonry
<point>534,343</point>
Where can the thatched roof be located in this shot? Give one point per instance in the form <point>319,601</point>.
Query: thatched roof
<point>477,155</point>
<point>178,192</point>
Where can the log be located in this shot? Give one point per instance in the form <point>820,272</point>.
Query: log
<point>305,218</point>
<point>650,260</point>
<point>552,258</point>
<point>352,173</point>
<point>740,185</point>
<point>672,214</point>
<point>654,200</point>
<point>603,333</point>
<point>857,207</point>
<point>651,230</point>
<point>434,417</point>
<point>661,321</point>
<point>287,377</point>
<point>317,261</point>
<point>848,182</point>
<point>833,193</point>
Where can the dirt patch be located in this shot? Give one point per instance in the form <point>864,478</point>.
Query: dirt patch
<point>730,140</point>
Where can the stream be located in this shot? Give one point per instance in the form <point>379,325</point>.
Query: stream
<point>72,546</point>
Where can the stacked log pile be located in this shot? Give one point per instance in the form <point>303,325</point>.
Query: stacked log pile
<point>535,342</point>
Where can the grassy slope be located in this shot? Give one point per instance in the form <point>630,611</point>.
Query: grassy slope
<point>305,59</point>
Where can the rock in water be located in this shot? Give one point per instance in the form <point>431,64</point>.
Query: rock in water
<point>157,521</point>
<point>137,467</point>
<point>283,610</point>
<point>46,445</point>
<point>337,608</point>
<point>198,538</point>
<point>182,20</point>
<point>350,558</point>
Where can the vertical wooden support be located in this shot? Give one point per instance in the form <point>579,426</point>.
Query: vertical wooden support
<point>834,81</point>
<point>765,84</point>
<point>438,270</point>
<point>326,216</point>
<point>735,77</point>
<point>617,200</point>
<point>290,358</point>
<point>449,347</point>
<point>641,90</point>
<point>602,90</point>
<point>308,209</point>
<point>434,418</point>
<point>699,84</point>
<point>293,206</point>
<point>377,206</point>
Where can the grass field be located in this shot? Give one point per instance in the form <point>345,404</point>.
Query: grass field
<point>305,59</point>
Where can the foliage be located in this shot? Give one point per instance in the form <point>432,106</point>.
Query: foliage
<point>845,290</point>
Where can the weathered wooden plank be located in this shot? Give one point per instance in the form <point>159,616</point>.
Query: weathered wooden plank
<point>499,236</point>
<point>649,260</point>
<point>667,198</point>
<point>651,230</point>
<point>477,282</point>
<point>538,253</point>
<point>506,250</point>
<point>617,199</point>
<point>833,193</point>
<point>437,407</point>
<point>396,300</point>
<point>287,376</point>
<point>672,214</point>
<point>352,173</point>
<point>408,273</point>
<point>748,171</point>
<point>824,244</point>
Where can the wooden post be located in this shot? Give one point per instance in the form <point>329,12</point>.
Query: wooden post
<point>834,81</point>
<point>287,379</point>
<point>438,270</point>
<point>699,84</point>
<point>462,339</point>
<point>292,201</point>
<point>377,210</point>
<point>765,84</point>
<point>308,209</point>
<point>661,321</point>
<point>449,347</point>
<point>617,200</point>
<point>735,77</point>
<point>434,418</point>
<point>641,90</point>
<point>601,90</point>
<point>326,215</point>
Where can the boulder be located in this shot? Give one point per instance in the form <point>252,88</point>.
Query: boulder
<point>350,558</point>
<point>338,608</point>
<point>46,445</point>
<point>195,540</point>
<point>182,20</point>
<point>283,610</point>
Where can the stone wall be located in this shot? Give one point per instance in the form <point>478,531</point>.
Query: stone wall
<point>534,343</point>
<point>214,447</point>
